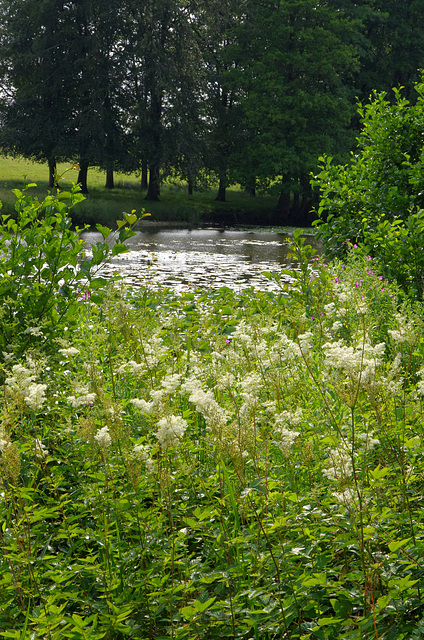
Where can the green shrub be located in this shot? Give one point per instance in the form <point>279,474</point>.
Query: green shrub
<point>376,200</point>
<point>43,268</point>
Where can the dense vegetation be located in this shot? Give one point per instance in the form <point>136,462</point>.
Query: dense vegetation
<point>212,92</point>
<point>376,201</point>
<point>207,465</point>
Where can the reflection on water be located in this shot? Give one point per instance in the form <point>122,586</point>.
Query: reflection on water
<point>201,258</point>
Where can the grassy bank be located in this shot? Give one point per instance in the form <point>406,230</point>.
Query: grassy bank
<point>105,205</point>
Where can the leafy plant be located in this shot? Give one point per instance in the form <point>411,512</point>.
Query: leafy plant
<point>43,267</point>
<point>375,202</point>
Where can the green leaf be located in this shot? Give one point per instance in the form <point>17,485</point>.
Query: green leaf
<point>105,231</point>
<point>394,546</point>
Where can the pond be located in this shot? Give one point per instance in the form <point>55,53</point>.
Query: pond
<point>184,259</point>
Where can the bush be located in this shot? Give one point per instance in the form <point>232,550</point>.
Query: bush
<point>43,268</point>
<point>376,200</point>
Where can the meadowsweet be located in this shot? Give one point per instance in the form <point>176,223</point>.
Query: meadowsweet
<point>171,430</point>
<point>286,439</point>
<point>142,405</point>
<point>251,384</point>
<point>288,418</point>
<point>34,395</point>
<point>339,465</point>
<point>348,497</point>
<point>143,453</point>
<point>329,309</point>
<point>103,438</point>
<point>40,449</point>
<point>83,397</point>
<point>358,362</point>
<point>70,352</point>
<point>171,383</point>
<point>132,367</point>
<point>20,379</point>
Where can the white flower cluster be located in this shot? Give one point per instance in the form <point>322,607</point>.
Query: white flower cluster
<point>21,383</point>
<point>420,384</point>
<point>70,352</point>
<point>358,362</point>
<point>131,367</point>
<point>35,397</point>
<point>143,453</point>
<point>286,439</point>
<point>20,379</point>
<point>251,384</point>
<point>154,350</point>
<point>82,397</point>
<point>288,350</point>
<point>405,331</point>
<point>4,444</point>
<point>170,383</point>
<point>215,416</point>
<point>288,418</point>
<point>40,449</point>
<point>103,438</point>
<point>339,465</point>
<point>171,430</point>
<point>142,405</point>
<point>348,497</point>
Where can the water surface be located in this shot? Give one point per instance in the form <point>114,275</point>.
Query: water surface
<point>184,259</point>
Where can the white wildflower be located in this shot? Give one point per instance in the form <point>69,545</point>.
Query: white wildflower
<point>20,379</point>
<point>288,418</point>
<point>348,497</point>
<point>35,397</point>
<point>171,382</point>
<point>40,449</point>
<point>34,331</point>
<point>171,430</point>
<point>103,438</point>
<point>226,381</point>
<point>286,439</point>
<point>339,465</point>
<point>251,383</point>
<point>70,352</point>
<point>132,367</point>
<point>141,451</point>
<point>82,400</point>
<point>142,405</point>
<point>4,444</point>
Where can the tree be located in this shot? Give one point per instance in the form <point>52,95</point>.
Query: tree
<point>391,47</point>
<point>35,45</point>
<point>294,68</point>
<point>65,67</point>
<point>165,66</point>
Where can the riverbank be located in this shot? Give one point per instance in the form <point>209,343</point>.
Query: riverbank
<point>105,206</point>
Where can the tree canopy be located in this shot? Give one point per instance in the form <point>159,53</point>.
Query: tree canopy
<point>246,92</point>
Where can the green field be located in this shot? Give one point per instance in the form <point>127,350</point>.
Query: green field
<point>106,206</point>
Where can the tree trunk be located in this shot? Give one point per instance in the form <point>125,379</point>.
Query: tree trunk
<point>82,176</point>
<point>250,187</point>
<point>190,186</point>
<point>52,172</point>
<point>282,209</point>
<point>144,175</point>
<point>153,192</point>
<point>110,184</point>
<point>221,191</point>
